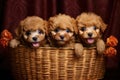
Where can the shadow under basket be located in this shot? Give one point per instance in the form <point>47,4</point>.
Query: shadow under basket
<point>48,63</point>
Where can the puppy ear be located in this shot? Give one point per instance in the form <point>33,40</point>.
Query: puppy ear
<point>50,23</point>
<point>103,25</point>
<point>19,30</point>
<point>74,25</point>
<point>46,27</point>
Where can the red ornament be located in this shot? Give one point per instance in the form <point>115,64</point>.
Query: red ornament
<point>112,41</point>
<point>6,36</point>
<point>110,51</point>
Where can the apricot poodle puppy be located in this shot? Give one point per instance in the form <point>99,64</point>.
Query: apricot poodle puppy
<point>90,30</point>
<point>31,32</point>
<point>62,30</point>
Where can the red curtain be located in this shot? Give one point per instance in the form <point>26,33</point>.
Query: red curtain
<point>12,11</point>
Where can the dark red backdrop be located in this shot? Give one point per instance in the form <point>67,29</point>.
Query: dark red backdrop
<point>12,11</point>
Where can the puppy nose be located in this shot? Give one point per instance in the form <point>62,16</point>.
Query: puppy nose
<point>90,34</point>
<point>34,38</point>
<point>62,37</point>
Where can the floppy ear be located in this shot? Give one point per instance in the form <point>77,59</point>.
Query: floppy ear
<point>103,26</point>
<point>19,30</point>
<point>74,25</point>
<point>50,23</point>
<point>46,27</point>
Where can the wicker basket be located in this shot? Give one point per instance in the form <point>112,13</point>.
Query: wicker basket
<point>47,63</point>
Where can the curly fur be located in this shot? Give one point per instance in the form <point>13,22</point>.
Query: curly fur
<point>30,23</point>
<point>90,19</point>
<point>62,22</point>
<point>86,22</point>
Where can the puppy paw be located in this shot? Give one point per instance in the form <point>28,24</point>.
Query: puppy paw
<point>78,49</point>
<point>14,43</point>
<point>100,46</point>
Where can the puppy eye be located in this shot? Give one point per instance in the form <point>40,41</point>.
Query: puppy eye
<point>94,27</point>
<point>67,30</point>
<point>28,33</point>
<point>40,32</point>
<point>56,30</point>
<point>83,28</point>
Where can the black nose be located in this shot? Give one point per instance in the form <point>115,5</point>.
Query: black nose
<point>34,38</point>
<point>62,37</point>
<point>90,34</point>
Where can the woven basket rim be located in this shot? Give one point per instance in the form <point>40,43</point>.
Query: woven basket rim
<point>62,48</point>
<point>72,48</point>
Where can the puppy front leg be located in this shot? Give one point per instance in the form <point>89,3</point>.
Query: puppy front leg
<point>100,46</point>
<point>14,43</point>
<point>78,49</point>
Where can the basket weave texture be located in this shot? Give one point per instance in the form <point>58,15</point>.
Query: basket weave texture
<point>47,63</point>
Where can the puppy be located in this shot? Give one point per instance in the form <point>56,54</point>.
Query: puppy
<point>31,32</point>
<point>90,29</point>
<point>61,30</point>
